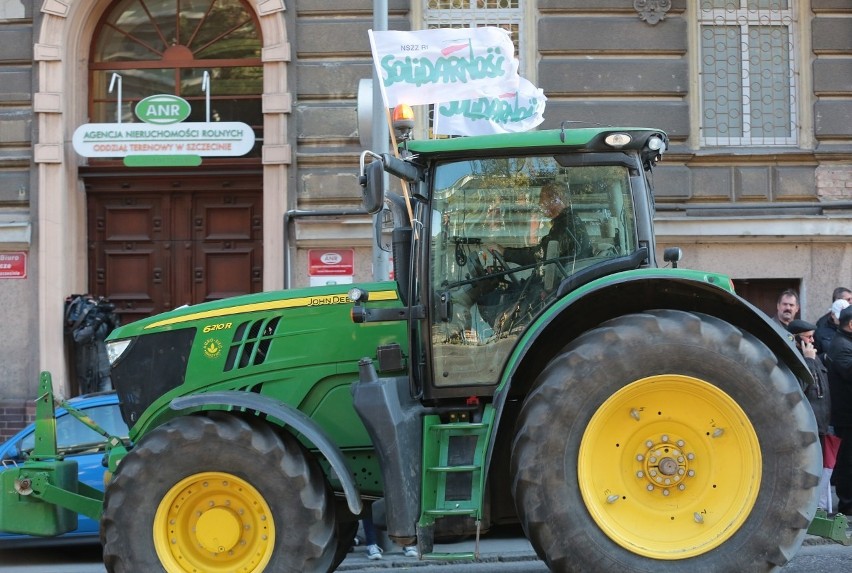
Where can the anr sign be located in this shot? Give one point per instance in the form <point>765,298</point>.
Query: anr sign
<point>222,139</point>
<point>163,109</point>
<point>328,267</point>
<point>163,138</point>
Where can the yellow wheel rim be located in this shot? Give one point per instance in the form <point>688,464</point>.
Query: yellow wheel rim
<point>213,522</point>
<point>669,467</point>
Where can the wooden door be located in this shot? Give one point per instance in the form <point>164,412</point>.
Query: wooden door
<point>764,293</point>
<point>151,251</point>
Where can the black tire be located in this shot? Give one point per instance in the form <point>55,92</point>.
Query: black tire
<point>346,532</point>
<point>271,497</point>
<point>564,452</point>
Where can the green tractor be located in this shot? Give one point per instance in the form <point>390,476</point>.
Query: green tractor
<point>530,363</point>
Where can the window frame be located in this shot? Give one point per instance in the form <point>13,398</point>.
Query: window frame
<point>475,17</point>
<point>102,104</point>
<point>746,18</point>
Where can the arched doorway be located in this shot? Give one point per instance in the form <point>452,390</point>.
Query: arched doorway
<point>160,237</point>
<point>62,49</point>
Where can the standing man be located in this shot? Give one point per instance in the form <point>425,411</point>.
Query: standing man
<point>817,393</point>
<point>840,293</point>
<point>826,331</point>
<point>787,307</point>
<point>839,364</point>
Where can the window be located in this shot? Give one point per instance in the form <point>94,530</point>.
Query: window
<point>165,46</point>
<point>504,234</point>
<point>506,14</point>
<point>747,73</point>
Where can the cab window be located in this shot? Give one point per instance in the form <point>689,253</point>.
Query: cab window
<point>504,234</point>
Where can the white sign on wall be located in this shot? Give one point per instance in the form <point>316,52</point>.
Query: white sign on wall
<point>213,139</point>
<point>163,138</point>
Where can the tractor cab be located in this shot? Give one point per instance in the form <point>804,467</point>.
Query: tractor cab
<point>486,239</point>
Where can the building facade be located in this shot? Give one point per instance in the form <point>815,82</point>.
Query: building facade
<point>756,96</point>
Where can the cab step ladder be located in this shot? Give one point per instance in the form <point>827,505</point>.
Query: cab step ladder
<point>453,478</point>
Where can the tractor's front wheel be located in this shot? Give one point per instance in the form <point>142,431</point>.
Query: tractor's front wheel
<point>218,493</point>
<point>664,442</point>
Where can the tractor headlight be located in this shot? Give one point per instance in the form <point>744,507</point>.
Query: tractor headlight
<point>115,348</point>
<point>617,139</point>
<point>358,295</point>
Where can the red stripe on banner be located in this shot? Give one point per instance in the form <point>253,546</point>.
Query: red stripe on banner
<point>454,48</point>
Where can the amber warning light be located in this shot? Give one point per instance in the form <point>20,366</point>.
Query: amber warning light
<point>403,121</point>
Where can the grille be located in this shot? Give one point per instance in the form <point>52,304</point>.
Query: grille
<point>251,343</point>
<point>153,365</point>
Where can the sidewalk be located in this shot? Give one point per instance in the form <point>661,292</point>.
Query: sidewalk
<point>491,549</point>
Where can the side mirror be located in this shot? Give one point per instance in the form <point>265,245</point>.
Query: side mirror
<point>372,187</point>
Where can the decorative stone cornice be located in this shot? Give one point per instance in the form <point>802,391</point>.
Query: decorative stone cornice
<point>14,234</point>
<point>47,153</point>
<point>652,11</point>
<point>266,7</point>
<point>47,53</point>
<point>277,155</point>
<point>276,53</point>
<point>277,103</point>
<point>45,102</point>
<point>56,7</point>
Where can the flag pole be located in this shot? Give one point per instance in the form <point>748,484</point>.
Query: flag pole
<point>381,261</point>
<point>405,192</point>
<point>389,122</point>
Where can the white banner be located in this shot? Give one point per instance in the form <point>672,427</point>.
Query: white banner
<point>445,64</point>
<point>511,112</point>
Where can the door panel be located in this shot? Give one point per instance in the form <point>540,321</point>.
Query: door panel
<point>227,242</point>
<point>225,272</point>
<point>129,258</point>
<point>136,279</point>
<point>153,251</point>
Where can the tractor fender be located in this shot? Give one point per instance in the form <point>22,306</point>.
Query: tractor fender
<point>291,416</point>
<point>633,292</point>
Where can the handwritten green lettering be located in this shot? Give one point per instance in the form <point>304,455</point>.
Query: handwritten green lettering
<point>446,70</point>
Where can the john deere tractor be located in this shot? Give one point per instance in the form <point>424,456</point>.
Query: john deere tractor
<point>630,417</point>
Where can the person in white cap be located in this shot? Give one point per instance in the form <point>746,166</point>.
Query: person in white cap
<point>840,292</point>
<point>825,332</point>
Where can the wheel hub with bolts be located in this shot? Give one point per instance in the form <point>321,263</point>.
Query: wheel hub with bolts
<point>664,464</point>
<point>669,466</point>
<point>212,521</point>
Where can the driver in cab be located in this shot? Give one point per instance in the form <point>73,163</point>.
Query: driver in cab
<point>567,236</point>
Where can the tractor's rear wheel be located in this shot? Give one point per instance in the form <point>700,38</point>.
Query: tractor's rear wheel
<point>346,532</point>
<point>218,493</point>
<point>664,442</point>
